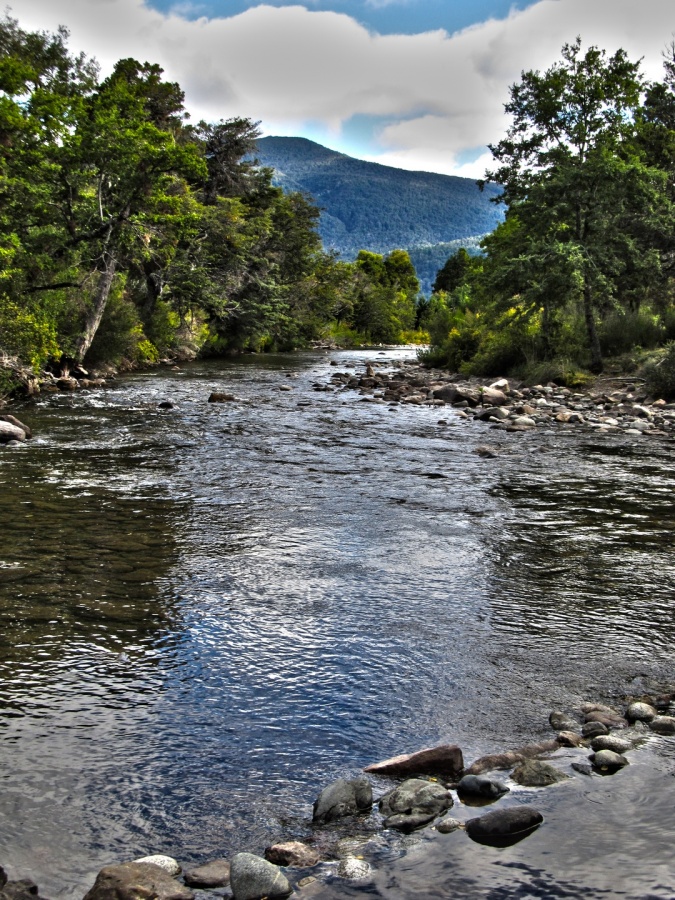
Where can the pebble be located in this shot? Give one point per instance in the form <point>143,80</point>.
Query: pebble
<point>448,825</point>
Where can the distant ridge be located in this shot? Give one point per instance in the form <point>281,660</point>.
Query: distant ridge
<point>368,206</point>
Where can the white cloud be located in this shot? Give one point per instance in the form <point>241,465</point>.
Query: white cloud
<point>298,70</point>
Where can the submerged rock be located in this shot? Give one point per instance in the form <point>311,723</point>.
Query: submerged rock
<point>211,875</point>
<point>9,432</point>
<point>253,878</point>
<point>353,869</point>
<point>481,786</point>
<point>535,773</point>
<point>504,823</point>
<point>448,825</point>
<point>131,881</point>
<point>343,798</point>
<point>219,397</point>
<point>560,721</point>
<point>446,759</point>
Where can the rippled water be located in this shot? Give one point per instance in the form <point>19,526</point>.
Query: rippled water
<point>209,612</point>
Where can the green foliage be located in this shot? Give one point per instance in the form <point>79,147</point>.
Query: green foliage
<point>119,334</point>
<point>28,333</point>
<point>622,330</point>
<point>660,374</point>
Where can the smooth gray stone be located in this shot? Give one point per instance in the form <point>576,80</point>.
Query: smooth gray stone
<point>504,823</point>
<point>663,724</point>
<point>640,712</point>
<point>481,786</point>
<point>594,729</point>
<point>562,722</point>
<point>408,822</point>
<point>353,869</point>
<point>611,742</point>
<point>343,798</point>
<point>448,825</point>
<point>252,878</point>
<point>607,759</point>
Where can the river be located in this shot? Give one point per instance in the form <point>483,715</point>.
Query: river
<point>208,613</point>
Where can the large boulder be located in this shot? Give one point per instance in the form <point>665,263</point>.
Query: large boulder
<point>641,712</point>
<point>609,760</point>
<point>19,890</point>
<point>131,881</point>
<point>456,393</point>
<point>414,803</point>
<point>611,742</point>
<point>502,824</point>
<point>253,878</point>
<point>343,798</point>
<point>211,875</point>
<point>446,759</point>
<point>493,397</point>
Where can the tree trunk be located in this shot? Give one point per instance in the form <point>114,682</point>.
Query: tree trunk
<point>96,313</point>
<point>593,340</point>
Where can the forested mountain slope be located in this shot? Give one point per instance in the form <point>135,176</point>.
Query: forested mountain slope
<point>369,206</point>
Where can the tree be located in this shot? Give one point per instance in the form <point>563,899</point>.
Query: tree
<point>453,272</point>
<point>572,177</point>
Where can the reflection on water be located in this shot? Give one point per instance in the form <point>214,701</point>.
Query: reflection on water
<point>209,612</point>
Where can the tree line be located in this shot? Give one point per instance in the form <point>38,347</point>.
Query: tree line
<point>583,266</point>
<point>126,231</point>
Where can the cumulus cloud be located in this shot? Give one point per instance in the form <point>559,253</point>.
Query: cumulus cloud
<point>303,71</point>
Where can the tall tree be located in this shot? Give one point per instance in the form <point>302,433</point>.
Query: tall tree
<point>571,175</point>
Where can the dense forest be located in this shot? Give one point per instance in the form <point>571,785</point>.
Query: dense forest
<point>365,204</point>
<point>127,233</point>
<point>583,266</point>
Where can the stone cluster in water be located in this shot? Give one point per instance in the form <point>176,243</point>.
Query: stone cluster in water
<point>430,781</point>
<point>624,409</point>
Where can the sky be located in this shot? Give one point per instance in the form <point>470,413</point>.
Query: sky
<point>417,84</point>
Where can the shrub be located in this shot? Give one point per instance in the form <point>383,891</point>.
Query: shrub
<point>660,373</point>
<point>620,331</point>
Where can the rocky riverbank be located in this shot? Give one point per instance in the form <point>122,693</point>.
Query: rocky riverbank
<point>349,823</point>
<point>619,405</point>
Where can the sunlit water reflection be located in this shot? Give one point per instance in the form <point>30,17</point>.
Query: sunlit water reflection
<point>209,612</point>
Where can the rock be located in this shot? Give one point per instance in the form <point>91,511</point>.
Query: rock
<point>609,720</point>
<point>285,387</point>
<point>9,432</point>
<point>216,397</point>
<point>593,729</point>
<point>211,875</point>
<point>66,384</point>
<point>486,452</point>
<point>607,759</point>
<point>640,712</point>
<point>535,773</point>
<point>168,863</point>
<point>165,404</point>
<point>448,825</point>
<point>611,742</point>
<point>492,397</point>
<point>292,853</point>
<point>343,798</point>
<point>25,889</point>
<point>354,869</point>
<point>504,823</point>
<point>18,424</point>
<point>570,739</point>
<point>597,707</point>
<point>512,757</point>
<point>453,393</point>
<point>481,786</point>
<point>3,878</point>
<point>132,881</point>
<point>582,768</point>
<point>501,385</point>
<point>663,724</point>
<point>524,422</point>
<point>414,803</point>
<point>561,722</point>
<point>253,878</point>
<point>445,759</point>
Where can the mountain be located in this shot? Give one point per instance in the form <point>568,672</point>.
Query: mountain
<point>367,206</point>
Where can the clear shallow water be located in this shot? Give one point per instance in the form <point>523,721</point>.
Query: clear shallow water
<point>208,613</point>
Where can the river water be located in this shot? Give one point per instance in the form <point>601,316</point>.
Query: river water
<point>210,612</point>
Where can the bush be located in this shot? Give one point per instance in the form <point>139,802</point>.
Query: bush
<point>621,331</point>
<point>119,333</point>
<point>660,374</point>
